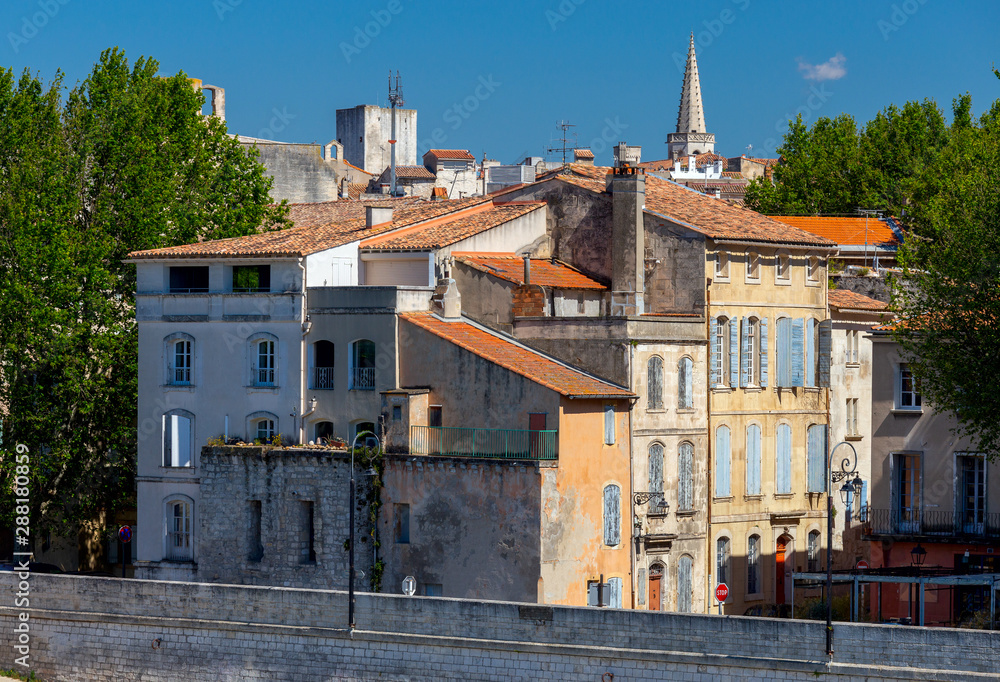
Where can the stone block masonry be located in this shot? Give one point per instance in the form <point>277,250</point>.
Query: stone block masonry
<point>110,629</point>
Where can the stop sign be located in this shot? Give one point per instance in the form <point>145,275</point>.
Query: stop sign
<point>721,592</point>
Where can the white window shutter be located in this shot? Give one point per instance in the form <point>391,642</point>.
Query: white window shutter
<point>734,352</point>
<point>798,357</point>
<point>615,593</point>
<point>810,343</point>
<point>825,333</point>
<point>716,351</point>
<point>763,352</point>
<point>753,460</point>
<point>722,456</point>
<point>746,354</point>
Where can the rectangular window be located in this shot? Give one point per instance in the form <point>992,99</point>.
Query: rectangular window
<point>397,413</point>
<point>612,515</point>
<point>401,523</point>
<point>722,560</point>
<point>722,265</point>
<point>615,593</point>
<point>816,458</point>
<point>609,424</point>
<point>783,353</point>
<point>753,460</point>
<point>189,279</point>
<point>812,273</point>
<point>307,554</point>
<point>722,462</point>
<point>265,430</point>
<point>433,590</point>
<point>255,548</point>
<point>182,363</point>
<point>179,531</point>
<point>852,417</point>
<point>176,440</point>
<point>753,565</point>
<point>753,266</point>
<point>909,395</point>
<point>972,493</point>
<point>251,279</point>
<point>907,493</point>
<point>434,416</point>
<point>783,460</point>
<point>265,374</point>
<point>783,268</point>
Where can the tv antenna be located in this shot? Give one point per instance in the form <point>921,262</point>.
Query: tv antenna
<point>395,101</point>
<point>564,126</point>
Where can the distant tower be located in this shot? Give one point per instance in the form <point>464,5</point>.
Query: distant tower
<point>691,137</point>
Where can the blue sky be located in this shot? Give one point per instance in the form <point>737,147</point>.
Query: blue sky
<point>498,76</point>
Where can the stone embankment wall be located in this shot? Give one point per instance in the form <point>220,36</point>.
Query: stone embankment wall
<point>109,629</point>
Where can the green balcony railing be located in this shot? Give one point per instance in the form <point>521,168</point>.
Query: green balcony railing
<point>494,443</point>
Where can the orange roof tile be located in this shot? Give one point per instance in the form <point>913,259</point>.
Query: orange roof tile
<point>358,169</point>
<point>445,233</point>
<point>317,227</point>
<point>544,272</point>
<point>707,215</point>
<point>356,189</point>
<point>412,172</point>
<point>842,299</point>
<point>583,153</point>
<point>541,369</point>
<point>845,231</point>
<point>450,154</point>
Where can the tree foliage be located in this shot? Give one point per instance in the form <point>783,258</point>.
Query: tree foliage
<point>123,161</point>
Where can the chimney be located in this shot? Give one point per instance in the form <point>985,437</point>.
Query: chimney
<point>345,192</point>
<point>218,101</point>
<point>527,269</point>
<point>377,215</point>
<point>446,300</point>
<point>628,195</point>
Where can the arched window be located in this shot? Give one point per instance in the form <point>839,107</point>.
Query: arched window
<point>654,383</point>
<point>685,477</point>
<point>263,360</point>
<point>362,370</point>
<point>324,433</point>
<point>684,584</point>
<point>783,460</point>
<point>323,355</point>
<point>722,460</point>
<point>753,564</point>
<point>753,459</point>
<point>612,515</point>
<point>178,438</point>
<point>722,551</point>
<point>262,426</point>
<point>362,427</point>
<point>685,377</point>
<point>178,524</point>
<point>179,353</point>
<point>812,551</point>
<point>656,468</point>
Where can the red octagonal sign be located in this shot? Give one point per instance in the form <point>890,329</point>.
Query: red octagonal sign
<point>721,592</point>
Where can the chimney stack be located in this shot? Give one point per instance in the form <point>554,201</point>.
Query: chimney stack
<point>377,215</point>
<point>628,195</point>
<point>527,269</point>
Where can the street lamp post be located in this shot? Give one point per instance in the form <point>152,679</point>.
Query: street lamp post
<point>848,466</point>
<point>350,584</point>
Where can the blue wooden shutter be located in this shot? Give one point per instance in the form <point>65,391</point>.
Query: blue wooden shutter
<point>753,460</point>
<point>810,343</point>
<point>825,349</point>
<point>763,352</point>
<point>734,351</point>
<point>655,468</point>
<point>615,593</point>
<point>684,585</point>
<point>685,374</point>
<point>798,357</point>
<point>685,477</point>
<point>713,333</point>
<point>722,461</point>
<point>863,502</point>
<point>609,424</point>
<point>816,458</point>
<point>746,354</point>
<point>612,515</point>
<point>783,459</point>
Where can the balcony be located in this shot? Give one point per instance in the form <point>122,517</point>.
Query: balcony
<point>931,524</point>
<point>362,379</point>
<point>323,378</point>
<point>490,443</point>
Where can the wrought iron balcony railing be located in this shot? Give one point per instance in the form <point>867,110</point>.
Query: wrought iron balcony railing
<point>363,378</point>
<point>931,523</point>
<point>323,378</point>
<point>472,442</point>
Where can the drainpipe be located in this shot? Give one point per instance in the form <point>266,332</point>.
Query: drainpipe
<point>303,368</point>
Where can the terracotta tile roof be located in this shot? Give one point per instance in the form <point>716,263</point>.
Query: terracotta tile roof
<point>450,154</point>
<point>528,363</point>
<point>844,231</point>
<point>356,189</point>
<point>732,174</point>
<point>707,215</point>
<point>765,162</point>
<point>842,299</point>
<point>659,165</point>
<point>583,154</point>
<point>317,227</point>
<point>408,172</point>
<point>348,163</point>
<point>446,232</point>
<point>544,272</point>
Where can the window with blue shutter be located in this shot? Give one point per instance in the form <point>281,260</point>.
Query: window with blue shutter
<point>783,459</point>
<point>685,374</point>
<point>654,383</point>
<point>753,460</point>
<point>684,591</point>
<point>685,477</point>
<point>763,352</point>
<point>863,503</point>
<point>612,515</point>
<point>825,349</point>
<point>798,356</point>
<point>816,459</point>
<point>615,593</point>
<point>722,461</point>
<point>656,468</point>
<point>734,352</point>
<point>783,353</point>
<point>811,333</point>
<point>746,354</point>
<point>716,351</point>
<point>609,424</point>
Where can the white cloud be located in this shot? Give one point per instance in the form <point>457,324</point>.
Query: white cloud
<point>830,70</point>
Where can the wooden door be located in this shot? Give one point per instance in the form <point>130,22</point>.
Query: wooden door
<point>779,570</point>
<point>655,581</point>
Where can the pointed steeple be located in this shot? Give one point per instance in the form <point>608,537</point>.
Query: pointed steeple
<point>691,137</point>
<point>690,114</point>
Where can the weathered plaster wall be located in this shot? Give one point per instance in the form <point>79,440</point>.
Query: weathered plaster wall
<point>300,172</point>
<point>365,131</point>
<point>674,268</point>
<point>473,526</point>
<point>486,299</point>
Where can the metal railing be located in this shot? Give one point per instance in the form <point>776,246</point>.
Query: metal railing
<point>471,442</point>
<point>363,378</point>
<point>931,523</point>
<point>322,377</point>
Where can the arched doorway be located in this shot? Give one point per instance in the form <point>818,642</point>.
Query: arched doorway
<point>655,586</point>
<point>779,569</point>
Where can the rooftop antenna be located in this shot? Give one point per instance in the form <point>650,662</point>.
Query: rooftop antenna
<point>395,100</point>
<point>749,149</point>
<point>564,126</point>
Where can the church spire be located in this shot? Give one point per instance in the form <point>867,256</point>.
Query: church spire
<point>691,137</point>
<point>690,114</point>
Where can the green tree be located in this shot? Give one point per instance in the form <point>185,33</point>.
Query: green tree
<point>948,300</point>
<point>125,161</point>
